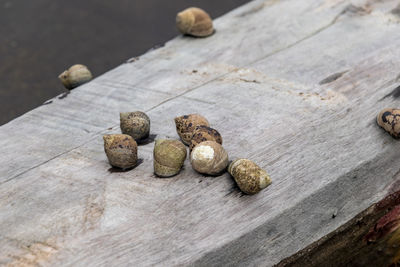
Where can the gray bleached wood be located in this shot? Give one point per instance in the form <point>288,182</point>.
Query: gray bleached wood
<point>268,81</point>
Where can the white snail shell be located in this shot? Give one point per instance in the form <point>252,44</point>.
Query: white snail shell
<point>209,157</point>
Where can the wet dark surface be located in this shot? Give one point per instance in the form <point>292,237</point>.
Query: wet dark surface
<point>40,39</point>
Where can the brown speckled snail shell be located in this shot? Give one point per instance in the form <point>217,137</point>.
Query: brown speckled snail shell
<point>204,133</point>
<point>209,157</point>
<point>169,156</point>
<point>121,150</point>
<point>186,124</point>
<point>250,178</point>
<point>76,75</point>
<point>135,124</point>
<point>194,21</point>
<point>389,119</point>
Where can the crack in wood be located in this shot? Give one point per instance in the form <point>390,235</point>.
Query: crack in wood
<point>332,77</point>
<point>395,93</point>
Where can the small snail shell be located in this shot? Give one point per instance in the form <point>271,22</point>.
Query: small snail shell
<point>194,21</point>
<point>76,75</point>
<point>135,124</point>
<point>186,124</point>
<point>204,133</point>
<point>121,150</point>
<point>169,156</point>
<point>209,157</point>
<point>389,119</point>
<point>250,178</point>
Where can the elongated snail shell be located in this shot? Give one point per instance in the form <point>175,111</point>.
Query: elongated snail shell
<point>250,178</point>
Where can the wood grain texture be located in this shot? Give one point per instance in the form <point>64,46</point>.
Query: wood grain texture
<point>295,85</point>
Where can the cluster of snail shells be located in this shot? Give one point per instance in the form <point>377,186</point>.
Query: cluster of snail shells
<point>121,150</point>
<point>207,155</point>
<point>250,178</point>
<point>76,75</point>
<point>194,21</point>
<point>389,120</point>
<point>135,124</point>
<point>169,157</point>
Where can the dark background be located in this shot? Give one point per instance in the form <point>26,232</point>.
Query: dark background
<point>41,38</point>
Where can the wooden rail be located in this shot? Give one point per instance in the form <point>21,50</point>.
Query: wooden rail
<point>295,85</point>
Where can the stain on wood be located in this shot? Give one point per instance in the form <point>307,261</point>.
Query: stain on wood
<point>35,254</point>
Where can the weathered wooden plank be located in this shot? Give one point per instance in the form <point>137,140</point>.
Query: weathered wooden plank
<point>268,81</point>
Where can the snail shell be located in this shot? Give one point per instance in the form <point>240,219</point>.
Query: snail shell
<point>204,133</point>
<point>209,157</point>
<point>121,150</point>
<point>194,21</point>
<point>135,124</point>
<point>169,156</point>
<point>76,75</point>
<point>186,124</point>
<point>389,119</point>
<point>250,178</point>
